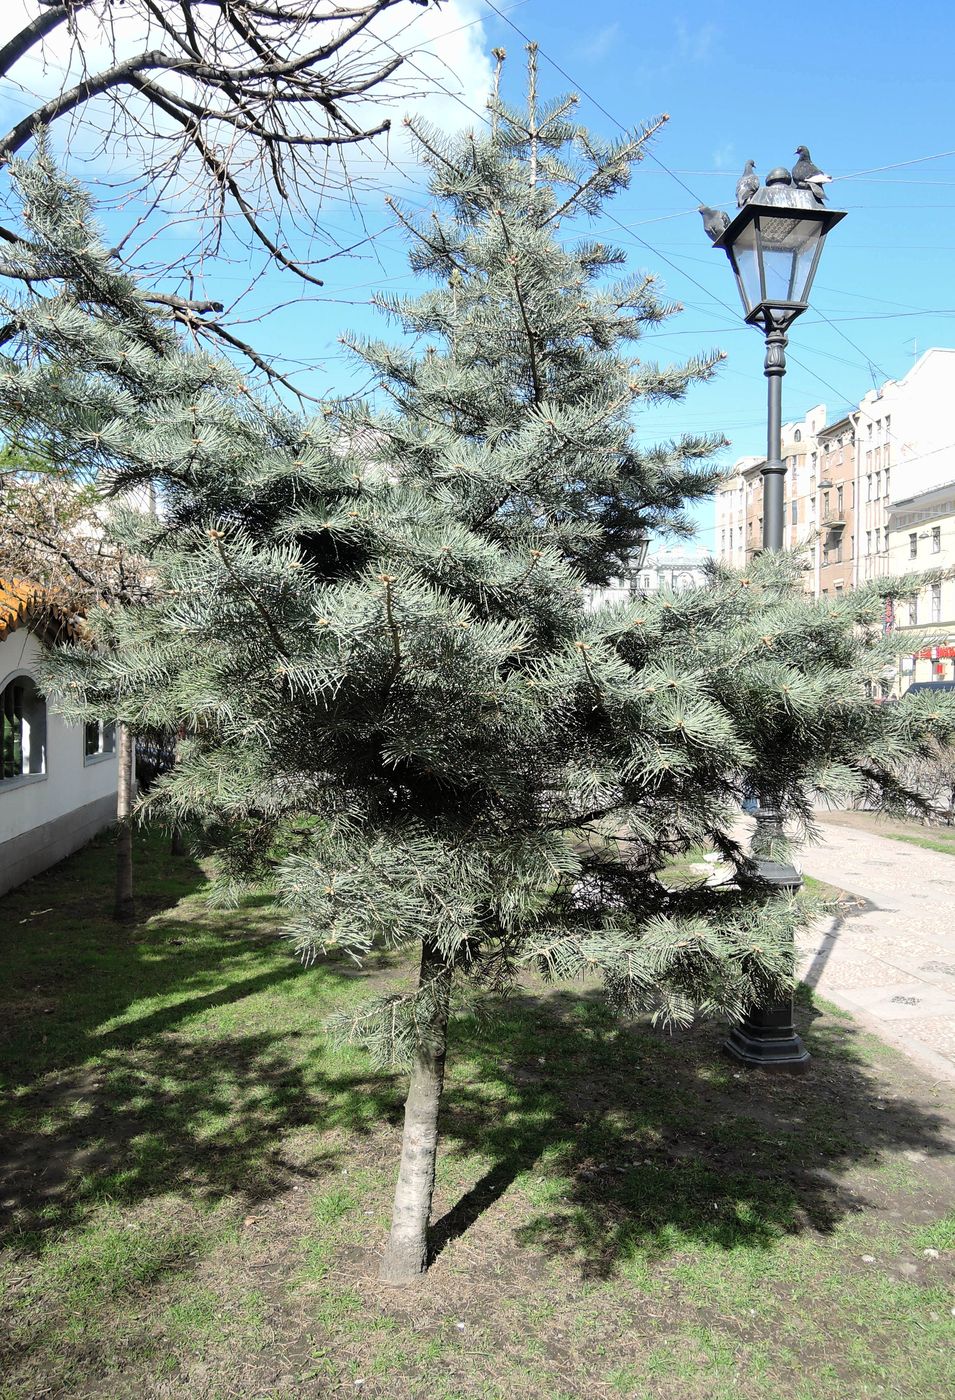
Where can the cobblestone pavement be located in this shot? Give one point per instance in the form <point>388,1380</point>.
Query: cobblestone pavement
<point>890,958</point>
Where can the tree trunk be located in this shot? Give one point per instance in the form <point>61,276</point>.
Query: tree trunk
<point>124,911</point>
<point>406,1254</point>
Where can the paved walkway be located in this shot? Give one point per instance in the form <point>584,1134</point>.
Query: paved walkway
<point>891,962</point>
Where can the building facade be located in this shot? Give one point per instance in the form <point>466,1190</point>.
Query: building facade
<point>57,780</point>
<point>922,540</point>
<point>835,542</point>
<point>847,481</point>
<point>666,569</point>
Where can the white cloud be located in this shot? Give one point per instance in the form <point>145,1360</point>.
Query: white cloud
<point>695,45</point>
<point>602,42</point>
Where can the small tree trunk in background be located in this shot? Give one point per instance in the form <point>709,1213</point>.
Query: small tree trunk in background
<point>124,911</point>
<point>406,1254</point>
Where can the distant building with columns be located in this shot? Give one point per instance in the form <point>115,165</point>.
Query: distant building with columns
<point>671,569</point>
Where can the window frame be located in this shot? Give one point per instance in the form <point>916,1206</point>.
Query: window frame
<point>22,779</point>
<point>105,729</point>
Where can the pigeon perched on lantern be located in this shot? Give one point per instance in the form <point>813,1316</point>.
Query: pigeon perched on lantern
<point>747,184</point>
<point>714,221</point>
<point>807,175</point>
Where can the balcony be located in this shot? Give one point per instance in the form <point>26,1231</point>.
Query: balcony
<point>836,521</point>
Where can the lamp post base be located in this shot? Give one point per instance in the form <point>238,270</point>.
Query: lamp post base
<point>767,1039</point>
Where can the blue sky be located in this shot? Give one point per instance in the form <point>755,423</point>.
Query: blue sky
<point>863,86</point>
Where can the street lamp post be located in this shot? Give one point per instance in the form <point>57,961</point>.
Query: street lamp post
<point>774,244</point>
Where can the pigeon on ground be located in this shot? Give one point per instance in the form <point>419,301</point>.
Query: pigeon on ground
<point>714,221</point>
<point>807,176</point>
<point>746,185</point>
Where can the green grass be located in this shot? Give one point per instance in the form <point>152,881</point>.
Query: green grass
<point>939,841</point>
<point>912,833</point>
<point>198,1185</point>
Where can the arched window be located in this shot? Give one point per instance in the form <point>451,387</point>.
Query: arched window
<point>798,435</point>
<point>22,730</point>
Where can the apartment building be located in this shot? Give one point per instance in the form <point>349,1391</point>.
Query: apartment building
<point>731,514</point>
<point>739,499</point>
<point>851,484</point>
<point>835,545</point>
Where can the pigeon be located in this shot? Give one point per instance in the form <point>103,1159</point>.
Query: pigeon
<point>807,176</point>
<point>746,185</point>
<point>714,221</point>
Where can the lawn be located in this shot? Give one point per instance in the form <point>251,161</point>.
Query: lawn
<point>196,1185</point>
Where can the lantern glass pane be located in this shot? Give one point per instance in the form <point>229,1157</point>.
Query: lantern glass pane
<point>788,248</point>
<point>746,257</point>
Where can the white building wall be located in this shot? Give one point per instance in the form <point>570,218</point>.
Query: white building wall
<point>672,569</point>
<point>731,500</point>
<point>905,445</point>
<point>43,817</point>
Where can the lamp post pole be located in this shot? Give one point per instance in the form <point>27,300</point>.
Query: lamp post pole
<point>773,245</point>
<point>774,472</point>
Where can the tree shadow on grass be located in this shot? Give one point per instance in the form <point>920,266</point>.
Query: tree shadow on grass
<point>629,1144</point>
<point>622,1142</point>
<point>208,1119</point>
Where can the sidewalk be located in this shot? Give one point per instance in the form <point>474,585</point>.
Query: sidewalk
<point>891,962</point>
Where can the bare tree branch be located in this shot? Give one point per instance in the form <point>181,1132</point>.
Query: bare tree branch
<point>239,115</point>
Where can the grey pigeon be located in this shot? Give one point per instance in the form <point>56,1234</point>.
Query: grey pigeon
<point>807,176</point>
<point>714,221</point>
<point>746,185</point>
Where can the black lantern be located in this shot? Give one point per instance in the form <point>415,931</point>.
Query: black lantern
<point>774,250</point>
<point>640,551</point>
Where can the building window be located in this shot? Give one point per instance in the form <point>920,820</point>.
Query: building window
<point>885,455</point>
<point>868,541</point>
<point>868,485</point>
<point>888,420</point>
<point>878,537</point>
<point>839,550</point>
<point>22,730</point>
<point>646,580</point>
<point>839,502</point>
<point>886,539</point>
<point>914,611</point>
<point>878,485</point>
<point>878,456</point>
<point>794,512</point>
<point>913,545</point>
<point>936,539</point>
<point>936,602</point>
<point>886,481</point>
<point>100,740</point>
<point>798,435</point>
